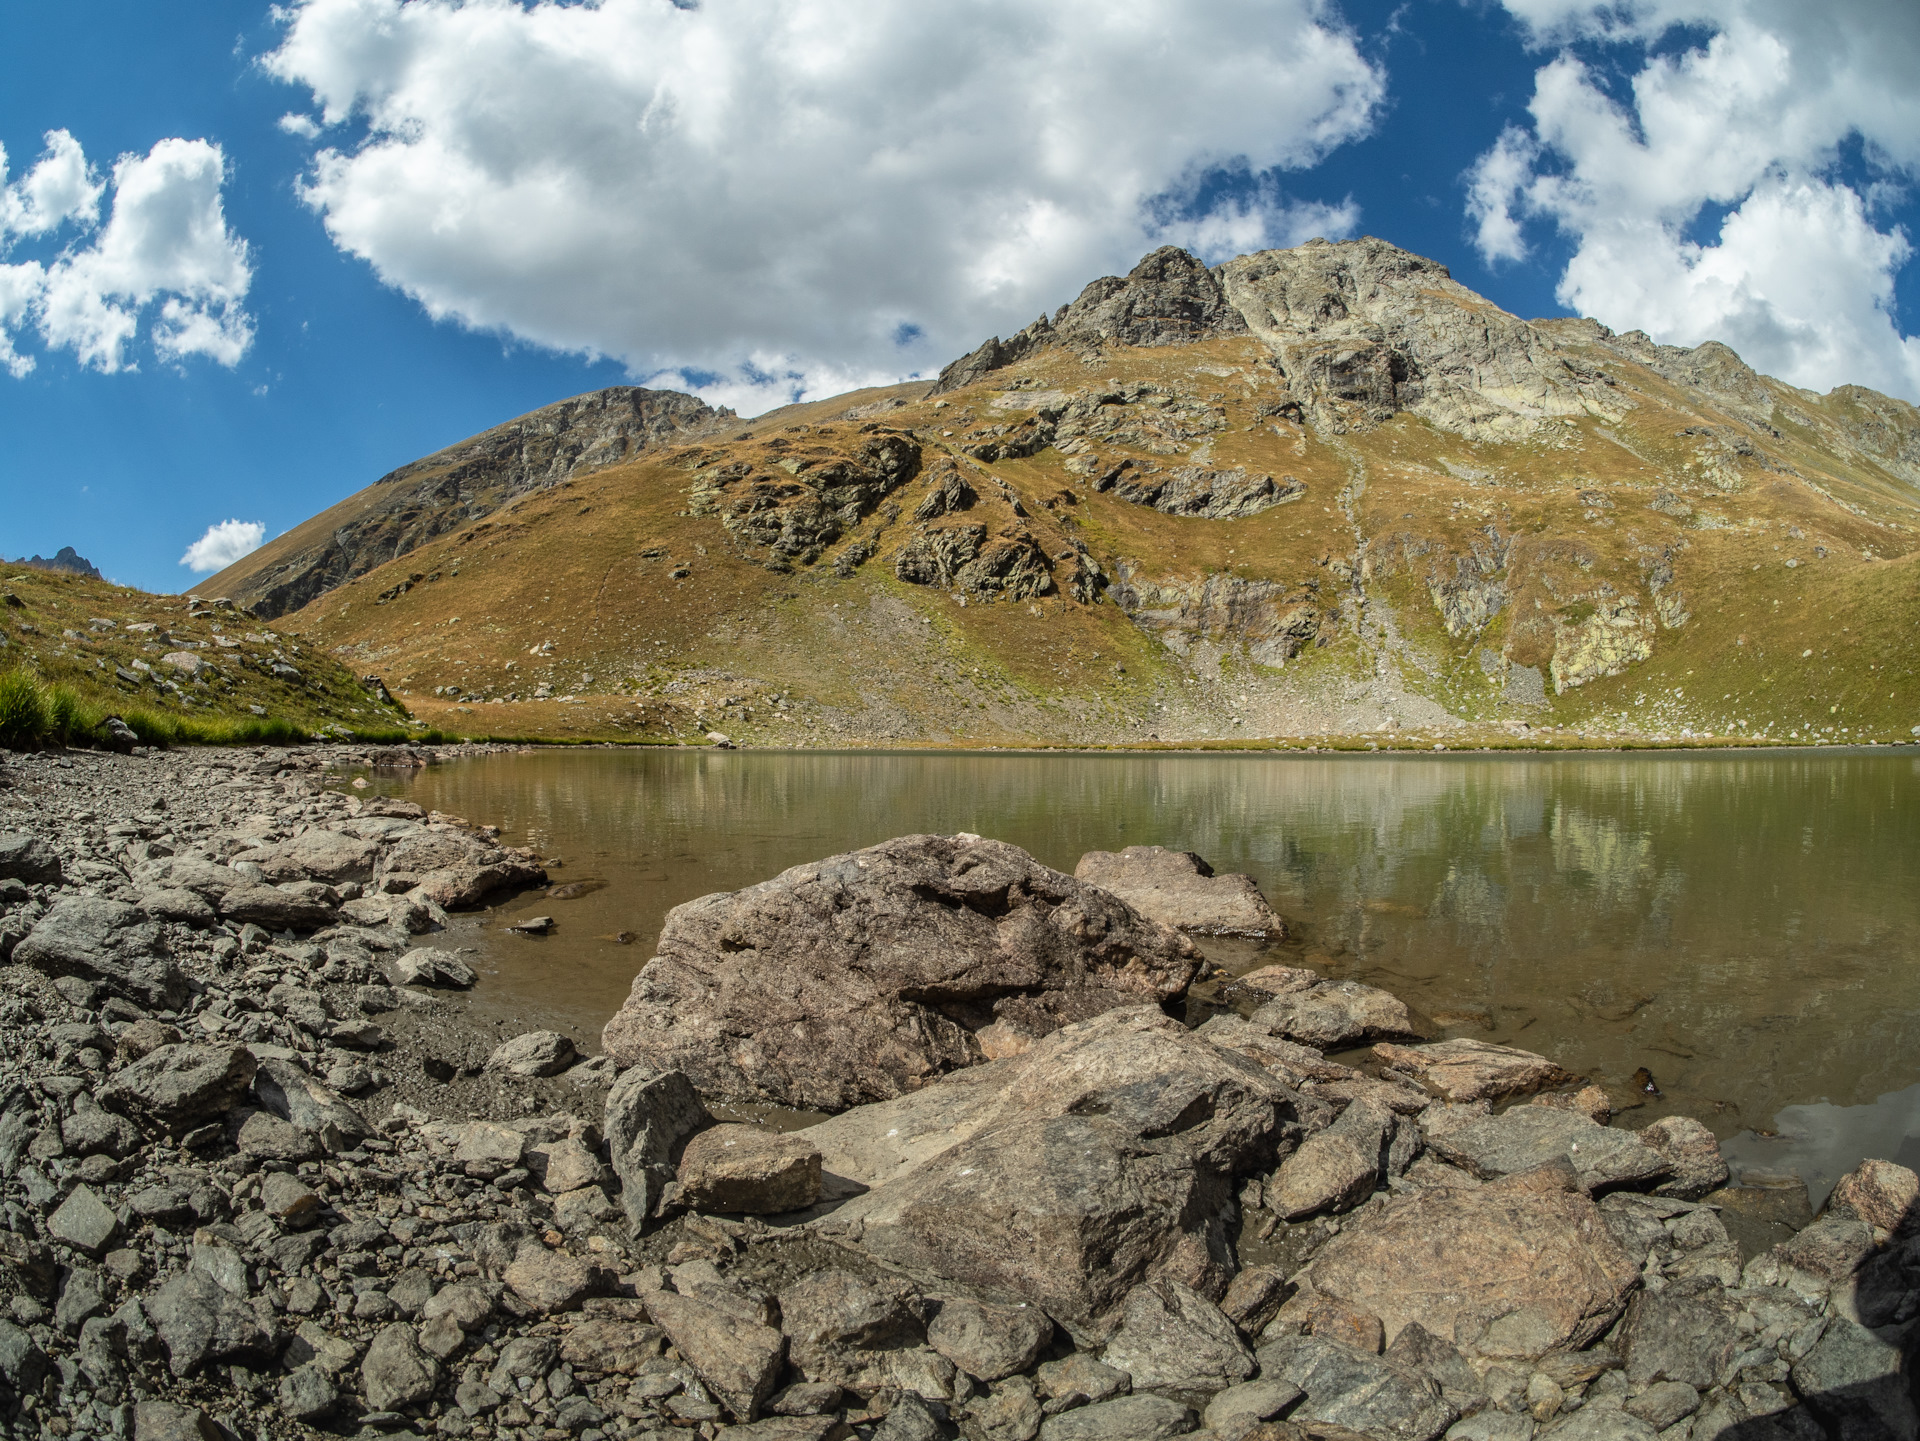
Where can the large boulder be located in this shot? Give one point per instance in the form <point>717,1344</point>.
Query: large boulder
<point>746,1169</point>
<point>1501,1271</point>
<point>1464,1069</point>
<point>110,943</point>
<point>176,1086</point>
<point>316,855</point>
<point>1529,1137</point>
<point>1332,1014</point>
<point>864,976</point>
<point>1347,1388</point>
<point>277,908</point>
<point>25,857</point>
<point>452,868</point>
<point>649,1118</point>
<point>1178,889</point>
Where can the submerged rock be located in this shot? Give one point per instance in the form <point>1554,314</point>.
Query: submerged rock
<point>866,975</point>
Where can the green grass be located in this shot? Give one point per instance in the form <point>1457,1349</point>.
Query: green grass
<point>23,710</point>
<point>35,714</point>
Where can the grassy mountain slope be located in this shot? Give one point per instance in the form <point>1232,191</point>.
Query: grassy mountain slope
<point>234,678</point>
<point>1324,494</point>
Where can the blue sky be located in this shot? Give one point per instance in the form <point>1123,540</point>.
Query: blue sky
<point>276,255</point>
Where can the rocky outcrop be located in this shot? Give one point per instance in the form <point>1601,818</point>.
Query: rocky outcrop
<point>795,504</point>
<point>1271,622</point>
<point>459,485</point>
<point>1196,490</point>
<point>866,975</point>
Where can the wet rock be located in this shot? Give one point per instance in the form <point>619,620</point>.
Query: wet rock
<point>111,944</point>
<point>1529,1137</point>
<point>426,967</point>
<point>1344,1387</point>
<point>175,1086</point>
<point>1178,889</point>
<point>1335,1169</point>
<point>738,1360</point>
<point>1885,1196</point>
<point>1129,1418</point>
<point>744,1169</point>
<point>1337,1013</point>
<point>536,1053</point>
<point>25,857</point>
<point>548,1280</point>
<point>1498,1273</point>
<point>989,1342</point>
<point>396,1375</point>
<point>84,1221</point>
<point>1468,1070</point>
<point>649,1118</point>
<point>167,1421</point>
<point>863,976</point>
<point>1171,1337</point>
<point>1692,1155</point>
<point>275,908</point>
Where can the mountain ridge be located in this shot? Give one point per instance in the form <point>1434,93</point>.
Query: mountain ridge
<point>1320,492</point>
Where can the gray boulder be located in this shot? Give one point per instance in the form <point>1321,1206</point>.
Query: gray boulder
<point>864,976</point>
<point>1599,1423</point>
<point>276,908</point>
<point>396,1374</point>
<point>844,1331</point>
<point>1347,1387</point>
<point>297,1098</point>
<point>110,943</point>
<point>199,1320</point>
<point>1334,1014</point>
<point>176,1086</point>
<point>1335,1169</point>
<point>316,855</point>
<point>534,1053</point>
<point>427,967</point>
<point>1528,1137</point>
<point>989,1342</point>
<point>1127,1418</point>
<point>1178,889</point>
<point>738,1358</point>
<point>1686,1332</point>
<point>179,904</point>
<point>1171,1337</point>
<point>84,1221</point>
<point>649,1118</point>
<point>25,857</point>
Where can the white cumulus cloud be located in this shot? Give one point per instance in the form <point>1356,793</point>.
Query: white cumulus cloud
<point>222,545</point>
<point>1708,203</point>
<point>164,251</point>
<point>801,189</point>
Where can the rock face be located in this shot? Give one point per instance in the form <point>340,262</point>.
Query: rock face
<point>1512,1273</point>
<point>458,486</point>
<point>866,975</point>
<point>1178,889</point>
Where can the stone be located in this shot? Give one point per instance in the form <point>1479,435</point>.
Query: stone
<point>1127,1418</point>
<point>316,854</point>
<point>649,1117</point>
<point>265,1135</point>
<point>1172,1337</point>
<point>1599,1423</point>
<point>307,1393</point>
<point>1831,1249</point>
<point>167,1421</point>
<point>1253,1296</point>
<point>1238,1409</point>
<point>468,1306</point>
<point>524,1358</point>
<point>178,1085</point>
<point>1009,1412</point>
<point>837,1325</point>
<point>1334,1014</point>
<point>563,1165</point>
<point>84,1221</point>
<point>738,1359</point>
<point>396,1374</point>
<point>1884,1195</point>
<point>548,1280</point>
<point>92,1131</point>
<point>1528,1137</point>
<point>198,1320</point>
<point>1692,1155</point>
<point>1418,1350</point>
<point>864,976</point>
<point>296,1097</point>
<point>1464,1069</point>
<point>1664,1403</point>
<point>23,1365</point>
<point>1178,889</point>
<point>744,1169</point>
<point>110,943</point>
<point>1309,1313</point>
<point>536,1053</point>
<point>1685,1332</point>
<point>1497,1273</point>
<point>1079,1380</point>
<point>427,967</point>
<point>1858,1382</point>
<point>1335,1169</point>
<point>275,908</point>
<point>488,1149</point>
<point>618,1348</point>
<point>1588,1101</point>
<point>1345,1387</point>
<point>289,1200</point>
<point>144,1037</point>
<point>179,904</point>
<point>989,1342</point>
<point>25,857</point>
<point>908,1420</point>
<point>808,1398</point>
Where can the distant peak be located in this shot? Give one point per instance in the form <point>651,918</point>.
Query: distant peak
<point>67,560</point>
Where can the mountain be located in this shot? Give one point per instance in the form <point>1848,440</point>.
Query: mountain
<point>65,559</point>
<point>1324,493</point>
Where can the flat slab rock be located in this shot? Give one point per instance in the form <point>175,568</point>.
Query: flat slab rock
<point>1467,1070</point>
<point>864,976</point>
<point>1179,889</point>
<point>1528,1137</point>
<point>1498,1272</point>
<point>1331,1014</point>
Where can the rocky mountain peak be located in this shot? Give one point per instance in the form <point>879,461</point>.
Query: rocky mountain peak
<point>66,559</point>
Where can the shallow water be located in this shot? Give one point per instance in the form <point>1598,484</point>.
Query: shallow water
<point>1744,927</point>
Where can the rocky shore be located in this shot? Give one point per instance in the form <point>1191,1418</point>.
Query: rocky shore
<point>262,1176</point>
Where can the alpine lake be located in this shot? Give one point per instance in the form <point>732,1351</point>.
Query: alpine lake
<point>1731,936</point>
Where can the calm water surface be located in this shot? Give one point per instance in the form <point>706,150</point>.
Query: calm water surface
<point>1744,927</point>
